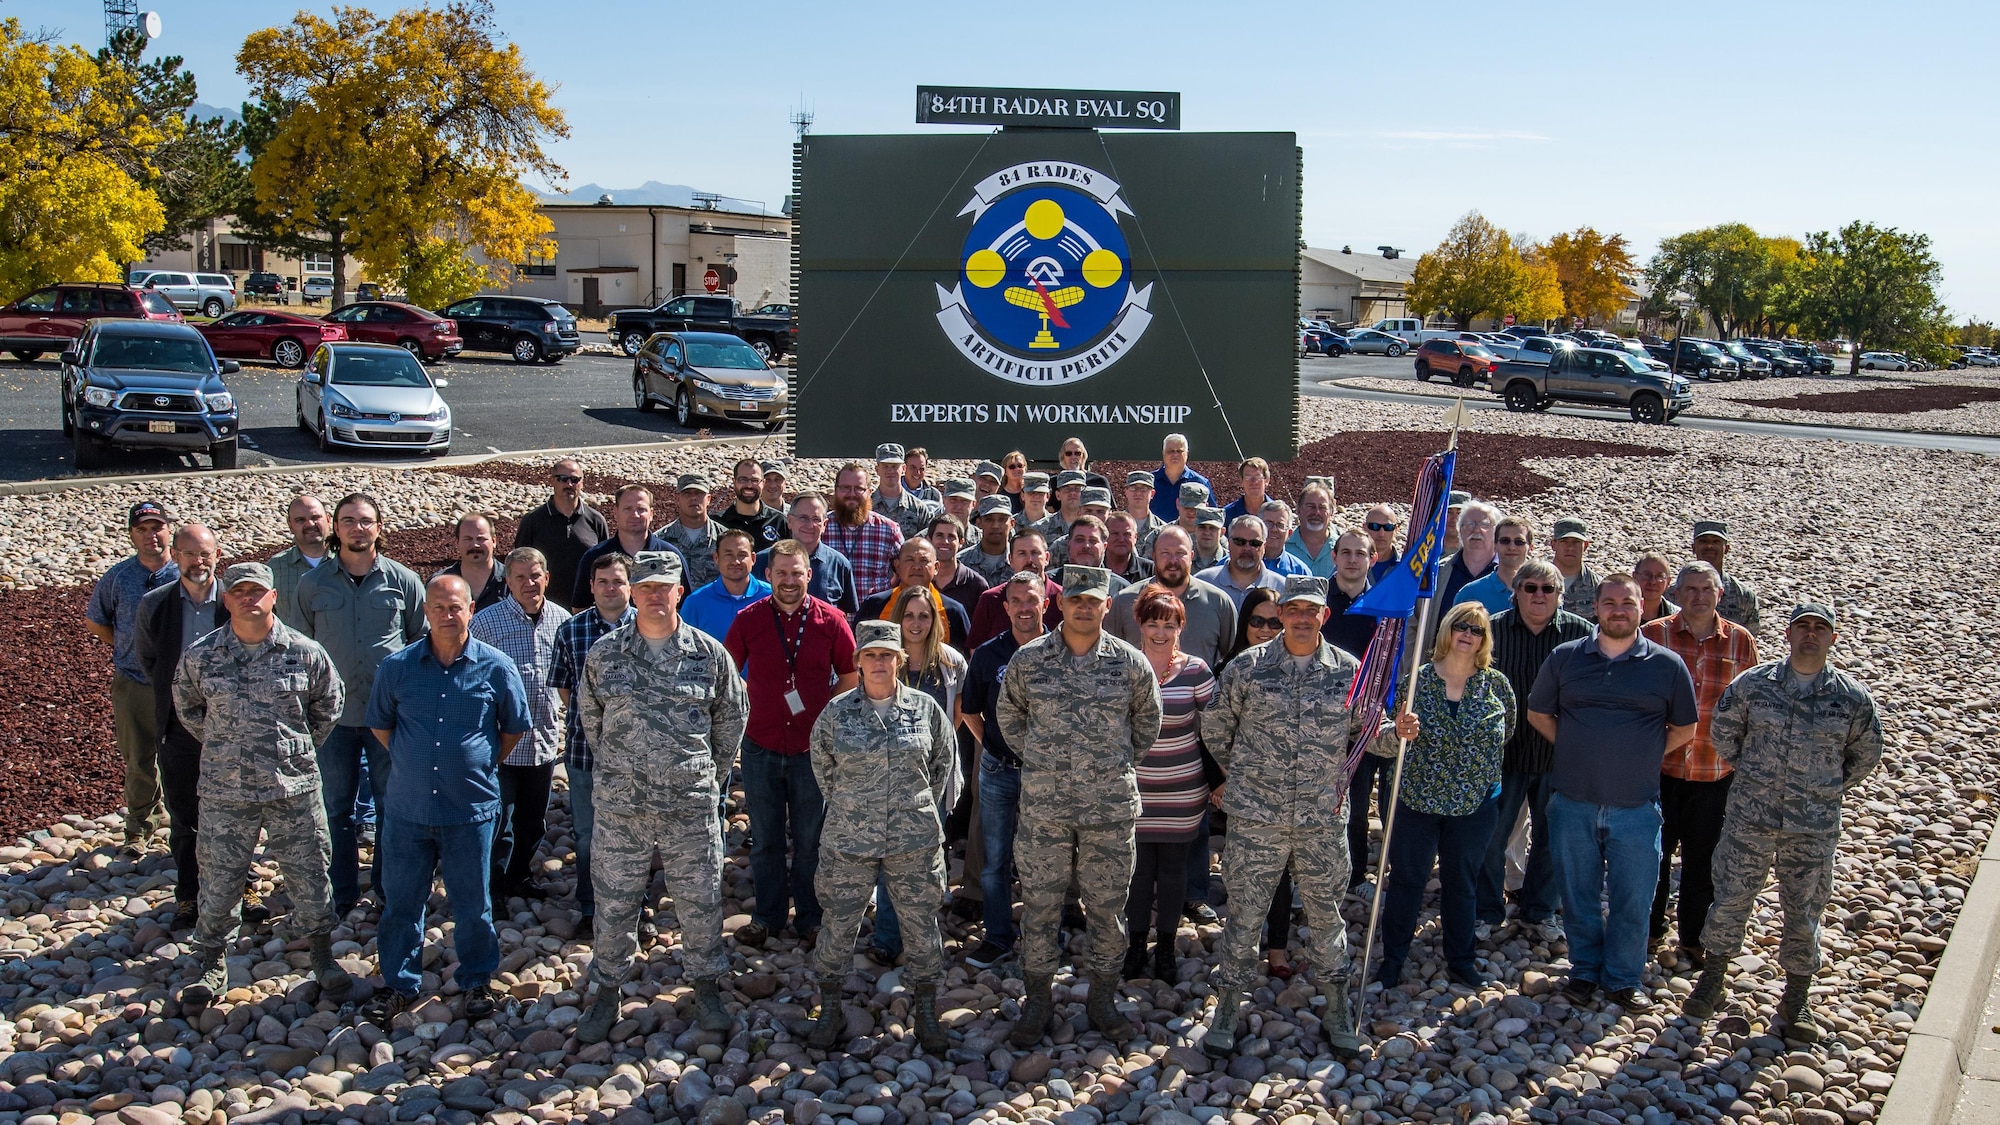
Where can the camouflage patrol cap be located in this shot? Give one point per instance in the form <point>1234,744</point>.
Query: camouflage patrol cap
<point>1193,495</point>
<point>248,572</point>
<point>692,482</point>
<point>774,468</point>
<point>1459,498</point>
<point>1717,528</point>
<point>1569,527</point>
<point>987,469</point>
<point>1101,497</point>
<point>1138,478</point>
<point>878,634</point>
<point>953,489</point>
<point>989,505</point>
<point>1303,588</point>
<point>888,451</point>
<point>1812,609</point>
<point>1086,582</point>
<point>1034,482</point>
<point>1069,478</point>
<point>656,566</point>
<point>1210,517</point>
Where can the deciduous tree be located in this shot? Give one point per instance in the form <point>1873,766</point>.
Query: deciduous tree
<point>1726,269</point>
<point>1478,271</point>
<point>1876,286</point>
<point>1594,271</point>
<point>410,136</point>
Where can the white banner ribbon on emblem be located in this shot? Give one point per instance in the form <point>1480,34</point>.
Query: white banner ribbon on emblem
<point>1074,176</point>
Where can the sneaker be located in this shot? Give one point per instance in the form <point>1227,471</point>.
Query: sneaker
<point>255,913</point>
<point>186,914</point>
<point>987,955</point>
<point>1482,932</point>
<point>479,1003</point>
<point>753,934</point>
<point>386,1005</point>
<point>1201,914</point>
<point>1547,930</point>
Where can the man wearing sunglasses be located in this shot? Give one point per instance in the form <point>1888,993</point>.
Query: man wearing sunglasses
<point>1244,570</point>
<point>563,529</point>
<point>1381,524</point>
<point>1513,540</point>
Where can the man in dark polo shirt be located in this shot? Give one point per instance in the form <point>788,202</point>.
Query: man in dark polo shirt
<point>1613,704</point>
<point>562,530</point>
<point>1349,632</point>
<point>999,768</point>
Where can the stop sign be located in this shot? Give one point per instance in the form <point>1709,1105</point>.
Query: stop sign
<point>1510,320</point>
<point>711,281</point>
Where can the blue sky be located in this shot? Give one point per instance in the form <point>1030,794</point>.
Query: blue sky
<point>1646,120</point>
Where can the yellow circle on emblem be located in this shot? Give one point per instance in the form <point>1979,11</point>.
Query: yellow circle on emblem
<point>1102,268</point>
<point>1044,219</point>
<point>985,268</point>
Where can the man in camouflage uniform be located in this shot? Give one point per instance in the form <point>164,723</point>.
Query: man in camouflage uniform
<point>1280,728</point>
<point>995,521</point>
<point>881,755</point>
<point>1081,708</point>
<point>663,710</point>
<point>693,533</point>
<point>1799,733</point>
<point>913,514</point>
<point>1738,602</point>
<point>1570,542</point>
<point>259,696</point>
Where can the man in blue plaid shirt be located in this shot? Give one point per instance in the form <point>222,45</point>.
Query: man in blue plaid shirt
<point>611,593</point>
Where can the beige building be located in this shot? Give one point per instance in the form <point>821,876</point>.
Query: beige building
<point>1347,287</point>
<point>619,255</point>
<point>217,247</point>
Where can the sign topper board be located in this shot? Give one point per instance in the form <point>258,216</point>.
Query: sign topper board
<point>1048,109</point>
<point>975,293</point>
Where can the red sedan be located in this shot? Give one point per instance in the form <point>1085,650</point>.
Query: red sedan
<point>420,332</point>
<point>282,337</point>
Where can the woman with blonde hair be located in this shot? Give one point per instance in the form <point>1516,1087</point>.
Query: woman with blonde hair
<point>1456,724</point>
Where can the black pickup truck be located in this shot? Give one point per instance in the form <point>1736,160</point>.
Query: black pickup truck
<point>771,336</point>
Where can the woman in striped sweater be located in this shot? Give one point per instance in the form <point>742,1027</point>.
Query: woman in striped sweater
<point>1173,789</point>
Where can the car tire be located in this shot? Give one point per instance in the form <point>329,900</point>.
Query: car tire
<point>299,415</point>
<point>1867,367</point>
<point>525,349</point>
<point>288,352</point>
<point>1521,397</point>
<point>85,451</point>
<point>640,398</point>
<point>223,453</point>
<point>762,348</point>
<point>1649,410</point>
<point>631,342</point>
<point>1395,351</point>
<point>68,427</point>
<point>325,434</point>
<point>212,308</point>
<point>414,346</point>
<point>1423,371</point>
<point>27,356</point>
<point>1465,376</point>
<point>684,409</point>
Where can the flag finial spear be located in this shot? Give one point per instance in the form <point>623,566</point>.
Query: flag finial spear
<point>1455,417</point>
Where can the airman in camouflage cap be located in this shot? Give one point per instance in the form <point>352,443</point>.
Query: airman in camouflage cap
<point>1738,599</point>
<point>1193,495</point>
<point>1034,482</point>
<point>1097,498</point>
<point>959,489</point>
<point>696,544</point>
<point>1069,478</point>
<point>1086,582</point>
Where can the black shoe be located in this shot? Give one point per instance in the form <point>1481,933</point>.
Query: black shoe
<point>1468,975</point>
<point>883,957</point>
<point>186,914</point>
<point>1633,1000</point>
<point>386,1006</point>
<point>1579,990</point>
<point>343,909</point>
<point>1166,965</point>
<point>987,955</point>
<point>1201,914</point>
<point>479,1003</point>
<point>1389,974</point>
<point>753,935</point>
<point>1135,961</point>
<point>527,890</point>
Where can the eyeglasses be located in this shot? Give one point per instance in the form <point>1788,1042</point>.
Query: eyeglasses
<point>1510,541</point>
<point>1372,526</point>
<point>1246,542</point>
<point>356,521</point>
<point>568,479</point>
<point>1468,627</point>
<point>1266,623</point>
<point>1537,588</point>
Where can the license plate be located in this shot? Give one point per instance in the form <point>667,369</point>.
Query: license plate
<point>748,405</point>
<point>160,427</point>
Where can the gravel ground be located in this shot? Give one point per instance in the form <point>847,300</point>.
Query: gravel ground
<point>85,964</point>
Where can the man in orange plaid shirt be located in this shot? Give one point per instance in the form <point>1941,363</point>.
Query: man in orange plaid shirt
<point>1694,783</point>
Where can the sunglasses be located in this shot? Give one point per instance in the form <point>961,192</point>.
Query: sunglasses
<point>1381,526</point>
<point>1511,541</point>
<point>1246,542</point>
<point>1266,623</point>
<point>567,479</point>
<point>1538,588</point>
<point>1468,627</point>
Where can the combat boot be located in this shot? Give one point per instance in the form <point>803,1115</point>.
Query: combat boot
<point>923,1008</point>
<point>597,1019</point>
<point>1220,1042</point>
<point>1102,1008</point>
<point>333,980</point>
<point>1337,1024</point>
<point>1794,1011</point>
<point>708,1009</point>
<point>213,981</point>
<point>1037,1006</point>
<point>832,1021</point>
<point>1707,994</point>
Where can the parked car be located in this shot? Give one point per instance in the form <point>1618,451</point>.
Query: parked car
<point>285,338</point>
<point>1977,358</point>
<point>1595,377</point>
<point>1701,359</point>
<point>48,319</point>
<point>527,328</point>
<point>1525,331</point>
<point>1816,361</point>
<point>1540,349</point>
<point>1411,330</point>
<point>708,375</point>
<point>373,396</point>
<point>368,291</point>
<point>1367,341</point>
<point>317,288</point>
<point>772,336</point>
<point>1504,347</point>
<point>210,294</point>
<point>1638,351</point>
<point>1319,339</point>
<point>1749,364</point>
<point>141,384</point>
<point>1781,364</point>
<point>1461,362</point>
<point>1883,361</point>
<point>263,284</point>
<point>418,331</point>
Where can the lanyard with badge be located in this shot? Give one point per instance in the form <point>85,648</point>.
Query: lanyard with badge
<point>793,700</point>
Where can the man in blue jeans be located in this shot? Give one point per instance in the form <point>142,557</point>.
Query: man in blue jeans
<point>999,769</point>
<point>449,708</point>
<point>1613,704</point>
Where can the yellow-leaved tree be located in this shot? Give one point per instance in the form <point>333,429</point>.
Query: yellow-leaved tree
<point>1478,270</point>
<point>404,141</point>
<point>74,143</point>
<point>1594,270</point>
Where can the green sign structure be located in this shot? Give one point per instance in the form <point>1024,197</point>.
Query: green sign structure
<point>976,293</point>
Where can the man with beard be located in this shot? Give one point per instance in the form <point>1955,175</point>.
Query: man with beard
<point>1028,554</point>
<point>1614,704</point>
<point>890,499</point>
<point>1211,615</point>
<point>632,519</point>
<point>310,525</point>
<point>751,509</point>
<point>1312,543</point>
<point>866,538</point>
<point>692,532</point>
<point>832,577</point>
<point>475,538</point>
<point>561,529</point>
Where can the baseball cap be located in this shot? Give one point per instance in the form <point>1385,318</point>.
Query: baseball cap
<point>1068,478</point>
<point>987,469</point>
<point>1459,499</point>
<point>1812,609</point>
<point>248,572</point>
<point>991,504</point>
<point>1192,494</point>
<point>771,467</point>
<point>1098,496</point>
<point>1210,517</point>
<point>1569,527</point>
<point>147,510</point>
<point>888,451</point>
<point>1034,482</point>
<point>953,489</point>
<point>655,566</point>
<point>1303,588</point>
<point>1138,478</point>
<point>692,482</point>
<point>1717,528</point>
<point>1086,582</point>
<point>878,634</point>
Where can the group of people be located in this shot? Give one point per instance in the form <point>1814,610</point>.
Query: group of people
<point>1080,693</point>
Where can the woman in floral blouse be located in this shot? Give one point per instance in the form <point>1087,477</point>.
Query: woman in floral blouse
<point>1457,723</point>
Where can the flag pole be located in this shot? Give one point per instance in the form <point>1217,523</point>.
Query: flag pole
<point>1455,417</point>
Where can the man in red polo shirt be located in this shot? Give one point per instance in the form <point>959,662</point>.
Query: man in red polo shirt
<point>796,653</point>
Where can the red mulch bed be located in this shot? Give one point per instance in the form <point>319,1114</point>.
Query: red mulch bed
<point>1899,400</point>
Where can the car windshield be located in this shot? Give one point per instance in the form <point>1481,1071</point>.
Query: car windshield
<point>737,357</point>
<point>154,302</point>
<point>1634,362</point>
<point>150,353</point>
<point>1708,350</point>
<point>1476,350</point>
<point>380,370</point>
